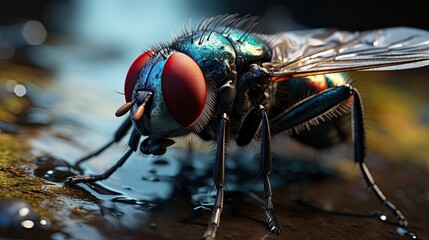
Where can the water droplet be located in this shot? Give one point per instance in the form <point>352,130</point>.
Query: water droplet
<point>23,211</point>
<point>53,169</point>
<point>18,214</point>
<point>20,90</point>
<point>27,224</point>
<point>58,174</point>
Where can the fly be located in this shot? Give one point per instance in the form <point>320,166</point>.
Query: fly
<point>224,80</point>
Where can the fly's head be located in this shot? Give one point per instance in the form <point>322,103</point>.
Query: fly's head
<point>166,94</point>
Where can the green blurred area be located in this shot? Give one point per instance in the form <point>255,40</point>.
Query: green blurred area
<point>397,113</point>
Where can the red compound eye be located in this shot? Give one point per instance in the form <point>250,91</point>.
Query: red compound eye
<point>133,74</point>
<point>184,87</point>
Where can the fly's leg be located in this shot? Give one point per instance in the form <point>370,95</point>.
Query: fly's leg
<point>119,134</point>
<point>359,155</point>
<point>218,179</point>
<point>320,104</point>
<point>257,119</point>
<point>252,87</point>
<point>266,167</point>
<point>133,144</point>
<point>226,94</point>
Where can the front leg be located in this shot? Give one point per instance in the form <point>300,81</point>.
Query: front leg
<point>148,146</point>
<point>119,134</point>
<point>132,143</point>
<point>218,179</point>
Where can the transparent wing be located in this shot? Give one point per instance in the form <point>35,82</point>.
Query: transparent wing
<point>322,51</point>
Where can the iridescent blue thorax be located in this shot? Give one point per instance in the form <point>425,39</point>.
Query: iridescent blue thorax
<point>216,50</point>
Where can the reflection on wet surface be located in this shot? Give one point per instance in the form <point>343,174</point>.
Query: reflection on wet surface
<point>16,214</point>
<point>163,197</point>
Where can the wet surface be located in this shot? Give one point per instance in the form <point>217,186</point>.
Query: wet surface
<point>171,196</point>
<point>16,214</point>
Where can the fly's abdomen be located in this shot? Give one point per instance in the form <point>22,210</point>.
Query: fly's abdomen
<point>325,133</point>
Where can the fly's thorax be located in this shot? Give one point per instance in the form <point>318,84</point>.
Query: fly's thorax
<point>210,50</point>
<point>222,48</point>
<point>248,47</point>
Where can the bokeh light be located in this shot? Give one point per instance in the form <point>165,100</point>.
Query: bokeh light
<point>34,32</point>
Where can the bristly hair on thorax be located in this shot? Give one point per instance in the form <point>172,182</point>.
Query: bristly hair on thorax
<point>248,24</point>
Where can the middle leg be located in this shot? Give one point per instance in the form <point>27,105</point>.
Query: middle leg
<point>256,119</point>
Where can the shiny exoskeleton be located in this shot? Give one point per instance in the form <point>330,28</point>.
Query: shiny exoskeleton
<point>222,80</point>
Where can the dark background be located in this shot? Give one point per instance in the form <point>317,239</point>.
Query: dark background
<point>348,15</point>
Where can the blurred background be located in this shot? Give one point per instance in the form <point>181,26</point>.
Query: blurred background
<point>128,26</point>
<point>87,47</point>
<point>62,67</point>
